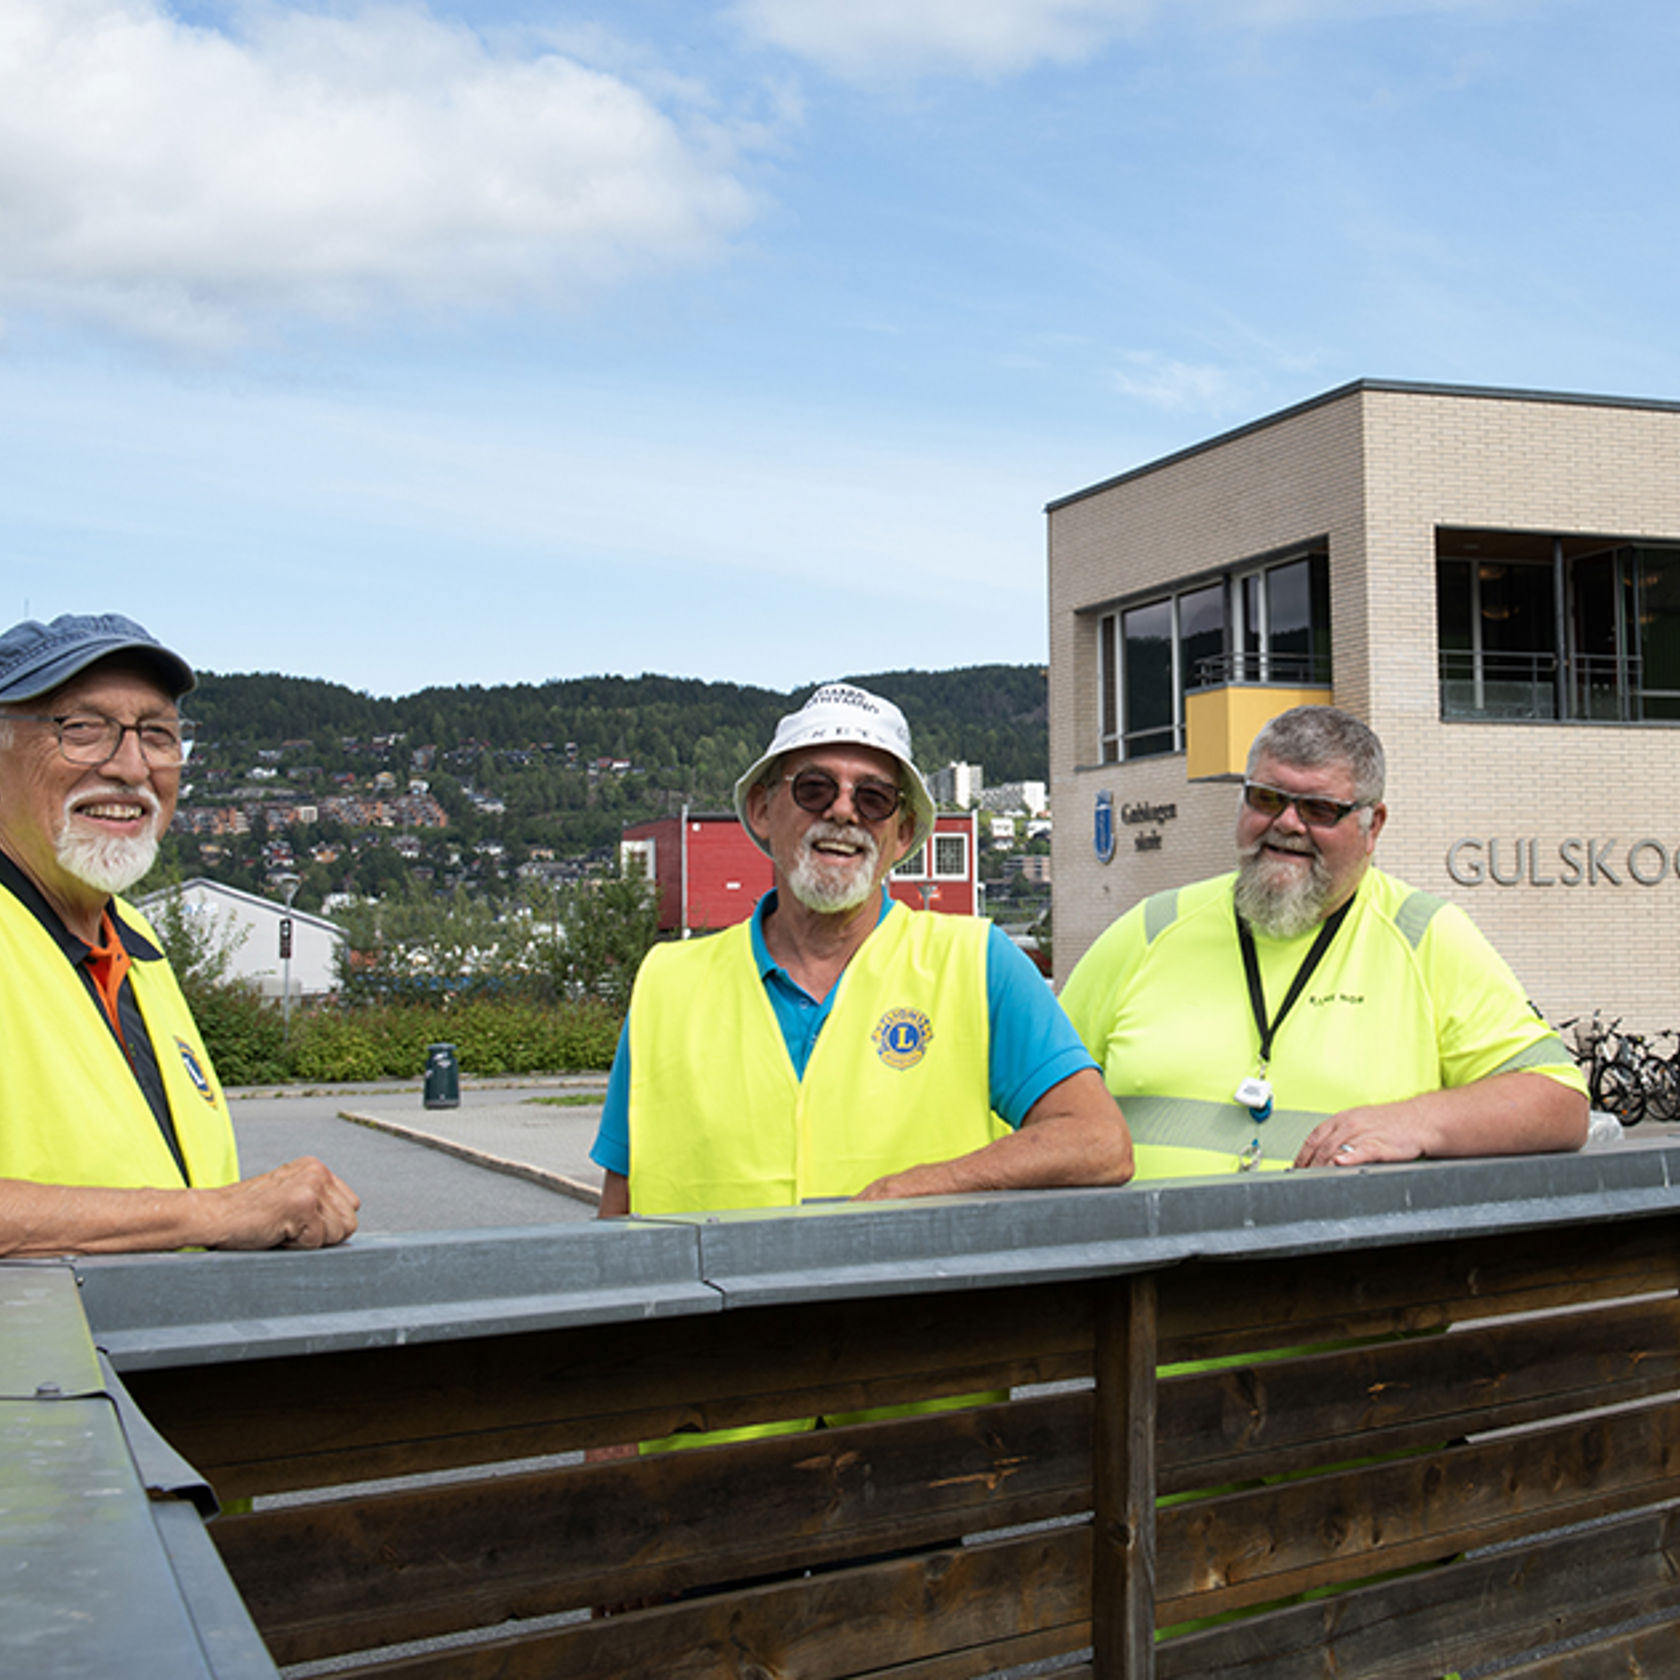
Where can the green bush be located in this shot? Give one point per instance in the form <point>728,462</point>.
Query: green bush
<point>500,1029</point>
<point>493,1037</point>
<point>244,1033</point>
<point>248,1043</point>
<point>329,1046</point>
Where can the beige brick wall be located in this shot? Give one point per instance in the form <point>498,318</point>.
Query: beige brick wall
<point>1376,471</point>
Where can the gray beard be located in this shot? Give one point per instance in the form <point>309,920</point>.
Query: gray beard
<point>823,885</point>
<point>107,864</point>
<point>1286,907</point>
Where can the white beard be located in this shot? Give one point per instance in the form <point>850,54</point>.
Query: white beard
<point>109,863</point>
<point>825,883</point>
<point>1278,899</point>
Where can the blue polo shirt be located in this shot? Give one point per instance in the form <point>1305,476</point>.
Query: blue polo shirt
<point>1033,1046</point>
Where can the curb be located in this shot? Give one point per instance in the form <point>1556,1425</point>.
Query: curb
<point>587,1081</point>
<point>558,1182</point>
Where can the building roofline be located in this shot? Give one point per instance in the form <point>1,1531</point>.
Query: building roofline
<point>1357,387</point>
<point>255,900</point>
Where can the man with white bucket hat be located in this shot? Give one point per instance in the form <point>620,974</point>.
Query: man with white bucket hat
<point>839,1044</point>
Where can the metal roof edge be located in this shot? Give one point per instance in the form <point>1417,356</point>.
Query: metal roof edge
<point>1357,387</point>
<point>256,900</point>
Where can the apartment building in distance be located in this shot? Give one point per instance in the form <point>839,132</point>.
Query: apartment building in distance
<point>1490,578</point>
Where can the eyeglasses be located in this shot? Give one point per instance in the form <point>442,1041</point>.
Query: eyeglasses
<point>816,790</point>
<point>1314,809</point>
<point>90,738</point>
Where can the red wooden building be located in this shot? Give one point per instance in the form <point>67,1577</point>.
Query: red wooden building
<point>710,874</point>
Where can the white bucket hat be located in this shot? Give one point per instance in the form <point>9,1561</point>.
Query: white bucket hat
<point>839,714</point>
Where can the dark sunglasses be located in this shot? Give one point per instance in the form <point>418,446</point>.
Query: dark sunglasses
<point>816,790</point>
<point>1314,809</point>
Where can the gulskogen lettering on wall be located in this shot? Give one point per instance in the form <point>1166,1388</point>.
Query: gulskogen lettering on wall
<point>1571,863</point>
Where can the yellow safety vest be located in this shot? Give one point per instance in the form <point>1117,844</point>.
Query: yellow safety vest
<point>899,1074</point>
<point>71,1111</point>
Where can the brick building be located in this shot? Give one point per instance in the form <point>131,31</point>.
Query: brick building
<point>1490,578</point>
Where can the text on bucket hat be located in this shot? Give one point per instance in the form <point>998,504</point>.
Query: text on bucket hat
<point>841,714</point>
<point>36,658</point>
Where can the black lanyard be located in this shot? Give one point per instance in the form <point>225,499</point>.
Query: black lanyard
<point>1257,992</point>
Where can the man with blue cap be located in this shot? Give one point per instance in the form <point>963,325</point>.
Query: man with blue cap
<point>114,1133</point>
<point>839,1044</point>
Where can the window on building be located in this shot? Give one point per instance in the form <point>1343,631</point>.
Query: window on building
<point>1266,622</point>
<point>1147,686</point>
<point>636,858</point>
<point>950,857</point>
<point>950,861</point>
<point>1536,626</point>
<point>1283,622</point>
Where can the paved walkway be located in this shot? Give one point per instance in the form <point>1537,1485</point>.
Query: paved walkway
<point>536,1130</point>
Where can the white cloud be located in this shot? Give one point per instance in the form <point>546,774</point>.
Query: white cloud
<point>1179,387</point>
<point>887,38</point>
<point>185,184</point>
<point>884,40</point>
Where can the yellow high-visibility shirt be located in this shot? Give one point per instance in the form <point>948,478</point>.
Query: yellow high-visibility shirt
<point>1410,997</point>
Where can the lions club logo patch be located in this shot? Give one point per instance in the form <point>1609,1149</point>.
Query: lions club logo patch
<point>902,1037</point>
<point>195,1070</point>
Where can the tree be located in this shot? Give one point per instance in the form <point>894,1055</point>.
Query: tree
<point>606,928</point>
<point>243,1031</point>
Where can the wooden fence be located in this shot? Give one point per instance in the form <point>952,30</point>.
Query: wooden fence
<point>1464,1459</point>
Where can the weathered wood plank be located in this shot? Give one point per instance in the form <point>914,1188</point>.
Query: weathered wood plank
<point>995,1654</point>
<point>1122,1589</point>
<point>366,1570</point>
<point>1243,1549</point>
<point>281,1425</point>
<point>1272,1418</point>
<point>1479,1611</point>
<point>1212,1310</point>
<point>1648,1652</point>
<point>973,1603</point>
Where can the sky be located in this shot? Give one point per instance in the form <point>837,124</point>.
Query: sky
<point>489,341</point>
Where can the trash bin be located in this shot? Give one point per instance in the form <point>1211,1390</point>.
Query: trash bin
<point>443,1077</point>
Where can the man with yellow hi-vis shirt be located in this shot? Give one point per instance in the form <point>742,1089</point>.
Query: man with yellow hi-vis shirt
<point>114,1133</point>
<point>839,1044</point>
<point>1310,1010</point>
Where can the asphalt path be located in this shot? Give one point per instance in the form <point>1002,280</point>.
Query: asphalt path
<point>524,1146</point>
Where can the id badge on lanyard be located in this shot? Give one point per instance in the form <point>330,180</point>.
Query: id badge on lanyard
<point>1255,1092</point>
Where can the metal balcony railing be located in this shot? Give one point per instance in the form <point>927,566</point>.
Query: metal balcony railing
<point>1285,670</point>
<point>1594,688</point>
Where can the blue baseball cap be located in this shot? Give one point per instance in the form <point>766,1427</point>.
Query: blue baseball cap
<point>36,658</point>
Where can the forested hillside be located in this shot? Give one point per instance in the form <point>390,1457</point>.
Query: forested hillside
<point>296,775</point>
<point>993,715</point>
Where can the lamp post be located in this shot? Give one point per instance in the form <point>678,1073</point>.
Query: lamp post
<point>289,885</point>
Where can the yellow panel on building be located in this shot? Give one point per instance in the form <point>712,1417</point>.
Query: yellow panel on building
<point>1220,724</point>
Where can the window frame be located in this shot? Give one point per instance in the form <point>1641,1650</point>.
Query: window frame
<point>1578,678</point>
<point>1117,741</point>
<point>916,867</point>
